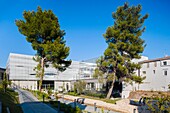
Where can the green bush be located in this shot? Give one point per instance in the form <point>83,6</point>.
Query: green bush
<point>49,91</point>
<point>9,99</point>
<point>79,86</point>
<point>52,102</point>
<point>95,94</point>
<point>11,90</point>
<point>111,101</point>
<point>159,103</point>
<point>73,93</point>
<point>65,108</point>
<point>40,94</point>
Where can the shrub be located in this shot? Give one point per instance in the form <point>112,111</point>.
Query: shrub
<point>49,91</point>
<point>159,103</point>
<point>79,86</point>
<point>111,101</point>
<point>66,108</point>
<point>11,90</point>
<point>78,110</point>
<point>95,94</point>
<point>73,93</point>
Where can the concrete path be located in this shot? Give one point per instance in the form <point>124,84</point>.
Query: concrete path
<point>30,103</point>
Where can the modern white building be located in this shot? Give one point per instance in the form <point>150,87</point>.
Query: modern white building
<point>20,69</point>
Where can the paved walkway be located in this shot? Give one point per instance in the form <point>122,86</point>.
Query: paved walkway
<point>30,104</point>
<point>122,106</point>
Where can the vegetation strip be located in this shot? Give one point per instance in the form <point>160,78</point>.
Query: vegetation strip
<point>10,99</point>
<point>99,106</point>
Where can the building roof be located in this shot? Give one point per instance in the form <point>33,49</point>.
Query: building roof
<point>92,60</point>
<point>3,69</point>
<point>154,60</point>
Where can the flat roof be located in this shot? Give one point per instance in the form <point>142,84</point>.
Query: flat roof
<point>154,60</point>
<point>2,69</point>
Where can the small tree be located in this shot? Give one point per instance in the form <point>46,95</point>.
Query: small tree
<point>124,44</point>
<point>79,86</point>
<point>5,82</point>
<point>43,31</point>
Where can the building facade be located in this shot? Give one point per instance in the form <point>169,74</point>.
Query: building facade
<point>20,69</point>
<point>157,72</point>
<point>2,71</point>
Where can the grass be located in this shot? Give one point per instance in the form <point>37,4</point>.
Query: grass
<point>111,101</point>
<point>102,99</point>
<point>39,95</point>
<point>96,97</point>
<point>10,99</point>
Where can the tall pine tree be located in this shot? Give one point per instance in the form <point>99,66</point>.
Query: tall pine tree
<point>124,44</point>
<point>43,31</point>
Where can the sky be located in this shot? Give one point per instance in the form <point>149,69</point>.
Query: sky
<point>85,22</point>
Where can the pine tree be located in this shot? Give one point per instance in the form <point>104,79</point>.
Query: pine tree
<point>124,44</point>
<point>43,31</point>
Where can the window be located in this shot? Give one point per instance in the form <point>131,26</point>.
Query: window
<point>154,71</point>
<point>165,63</point>
<point>155,64</point>
<point>144,72</point>
<point>165,72</point>
<point>147,65</point>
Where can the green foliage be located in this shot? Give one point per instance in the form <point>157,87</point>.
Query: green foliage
<point>49,91</point>
<point>102,110</point>
<point>73,93</point>
<point>40,94</point>
<point>37,69</point>
<point>94,94</point>
<point>66,108</point>
<point>43,31</point>
<point>111,101</point>
<point>138,79</point>
<point>169,86</point>
<point>124,44</point>
<point>79,86</point>
<point>63,87</point>
<point>5,82</point>
<point>78,110</point>
<point>10,99</point>
<point>159,103</point>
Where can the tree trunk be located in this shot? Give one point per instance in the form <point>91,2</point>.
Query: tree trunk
<point>111,89</point>
<point>42,73</point>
